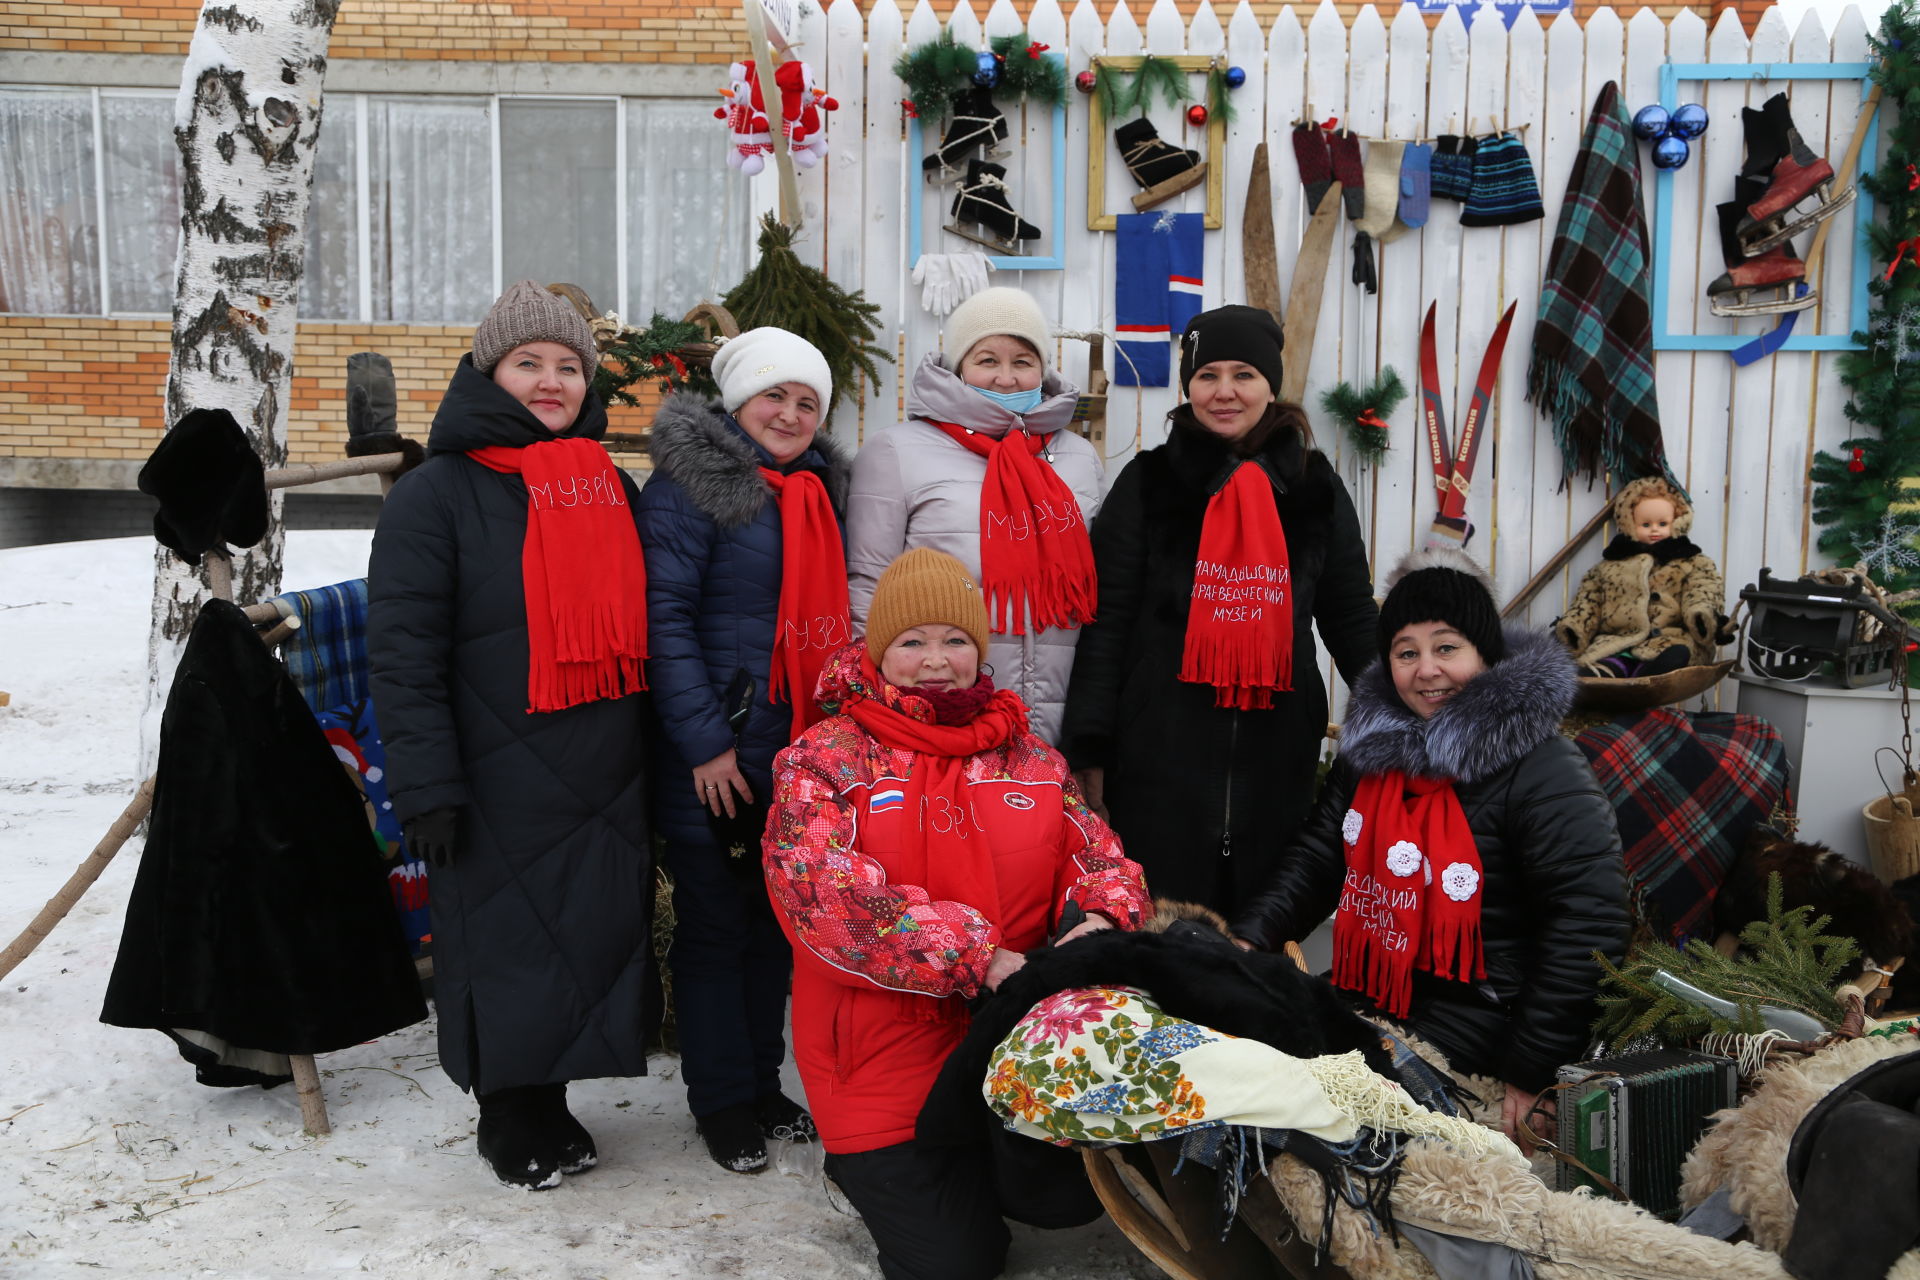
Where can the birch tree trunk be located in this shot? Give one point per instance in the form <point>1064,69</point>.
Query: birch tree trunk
<point>246,122</point>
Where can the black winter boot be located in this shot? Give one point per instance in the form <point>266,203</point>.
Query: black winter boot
<point>783,1119</point>
<point>516,1138</point>
<point>976,124</point>
<point>572,1141</point>
<point>734,1139</point>
<point>1150,158</point>
<point>983,200</point>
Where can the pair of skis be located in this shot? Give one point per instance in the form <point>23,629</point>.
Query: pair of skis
<point>1453,471</point>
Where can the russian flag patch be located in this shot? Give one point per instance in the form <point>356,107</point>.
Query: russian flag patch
<point>886,801</point>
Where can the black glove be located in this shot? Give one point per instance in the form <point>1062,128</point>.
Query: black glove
<point>434,835</point>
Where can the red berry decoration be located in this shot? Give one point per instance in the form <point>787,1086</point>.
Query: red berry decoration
<point>1858,462</point>
<point>1196,115</point>
<point>1084,82</point>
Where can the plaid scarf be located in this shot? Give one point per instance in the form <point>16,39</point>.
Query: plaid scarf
<point>1592,367</point>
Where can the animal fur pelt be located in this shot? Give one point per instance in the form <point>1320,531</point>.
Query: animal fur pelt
<point>1905,993</point>
<point>1183,958</point>
<point>1746,1149</point>
<point>1857,904</point>
<point>717,465</point>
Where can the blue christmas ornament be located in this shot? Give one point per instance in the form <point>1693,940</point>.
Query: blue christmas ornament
<point>986,70</point>
<point>1689,121</point>
<point>1650,122</point>
<point>1236,76</point>
<point>1670,152</point>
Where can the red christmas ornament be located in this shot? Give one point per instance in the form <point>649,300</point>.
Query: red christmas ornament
<point>1858,462</point>
<point>1196,115</point>
<point>1913,178</point>
<point>1084,82</point>
<point>1035,49</point>
<point>906,105</point>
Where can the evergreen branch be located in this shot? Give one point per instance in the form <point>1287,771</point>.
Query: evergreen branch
<point>1362,414</point>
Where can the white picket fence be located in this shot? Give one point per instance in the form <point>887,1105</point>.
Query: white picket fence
<point>1741,439</point>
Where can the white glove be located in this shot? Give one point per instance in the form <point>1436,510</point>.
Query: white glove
<point>934,274</point>
<point>969,275</point>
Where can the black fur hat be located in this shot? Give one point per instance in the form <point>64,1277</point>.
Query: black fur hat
<point>1442,585</point>
<point>210,483</point>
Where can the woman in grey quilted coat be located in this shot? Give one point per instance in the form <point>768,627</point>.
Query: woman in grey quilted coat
<point>986,469</point>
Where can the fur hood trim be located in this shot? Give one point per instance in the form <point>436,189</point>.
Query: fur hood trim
<point>1652,487</point>
<point>1503,713</point>
<point>718,465</point>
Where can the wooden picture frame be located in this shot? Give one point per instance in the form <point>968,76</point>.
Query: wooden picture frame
<point>1100,134</point>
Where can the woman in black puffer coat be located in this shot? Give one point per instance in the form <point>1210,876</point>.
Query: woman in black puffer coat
<point>1206,796</point>
<point>716,536</point>
<point>527,799</point>
<point>1477,923</point>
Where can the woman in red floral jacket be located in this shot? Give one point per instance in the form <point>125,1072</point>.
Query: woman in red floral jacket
<point>921,841</point>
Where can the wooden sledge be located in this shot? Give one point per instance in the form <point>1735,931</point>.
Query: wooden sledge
<point>1303,300</point>
<point>1644,693</point>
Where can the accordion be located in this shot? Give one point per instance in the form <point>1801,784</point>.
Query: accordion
<point>1633,1119</point>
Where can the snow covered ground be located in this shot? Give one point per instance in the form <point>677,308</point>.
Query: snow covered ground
<point>113,1160</point>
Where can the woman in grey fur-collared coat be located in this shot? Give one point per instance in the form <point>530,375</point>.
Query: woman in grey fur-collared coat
<point>1462,845</point>
<point>715,543</point>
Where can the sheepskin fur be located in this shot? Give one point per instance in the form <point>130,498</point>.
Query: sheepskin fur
<point>1857,904</point>
<point>1746,1150</point>
<point>694,441</point>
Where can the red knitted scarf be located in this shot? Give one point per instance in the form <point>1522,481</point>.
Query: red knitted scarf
<point>1412,894</point>
<point>585,580</point>
<point>944,849</point>
<point>1035,556</point>
<point>1240,619</point>
<point>813,618</point>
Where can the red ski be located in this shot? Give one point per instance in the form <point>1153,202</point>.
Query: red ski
<point>1453,477</point>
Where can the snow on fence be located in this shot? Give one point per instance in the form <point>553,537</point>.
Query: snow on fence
<point>1741,439</point>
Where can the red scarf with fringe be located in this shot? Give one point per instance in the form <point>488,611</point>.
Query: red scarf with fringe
<point>1035,556</point>
<point>1240,618</point>
<point>585,580</point>
<point>945,851</point>
<point>1412,895</point>
<point>813,616</point>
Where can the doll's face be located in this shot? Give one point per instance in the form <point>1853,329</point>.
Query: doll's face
<point>1652,519</point>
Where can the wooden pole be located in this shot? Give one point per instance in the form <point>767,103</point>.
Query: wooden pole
<point>81,880</point>
<point>313,1103</point>
<point>315,472</point>
<point>762,52</point>
<point>1560,557</point>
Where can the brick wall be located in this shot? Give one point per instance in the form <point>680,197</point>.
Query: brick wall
<point>88,388</point>
<point>623,31</point>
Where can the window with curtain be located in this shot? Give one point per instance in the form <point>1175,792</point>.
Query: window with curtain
<point>688,220</point>
<point>558,195</point>
<point>49,216</point>
<point>142,175</point>
<point>330,290</point>
<point>431,191</point>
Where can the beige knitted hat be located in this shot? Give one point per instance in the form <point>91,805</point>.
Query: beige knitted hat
<point>995,311</point>
<point>922,586</point>
<point>528,313</point>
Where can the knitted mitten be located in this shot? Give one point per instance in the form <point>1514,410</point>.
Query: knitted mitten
<point>1316,170</point>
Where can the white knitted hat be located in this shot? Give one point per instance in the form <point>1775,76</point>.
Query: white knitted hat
<point>762,358</point>
<point>995,311</point>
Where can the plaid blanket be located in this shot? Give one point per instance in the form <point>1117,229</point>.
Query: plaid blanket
<point>1686,790</point>
<point>1592,368</point>
<point>327,656</point>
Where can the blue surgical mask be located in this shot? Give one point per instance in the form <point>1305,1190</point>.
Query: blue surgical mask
<point>1021,402</point>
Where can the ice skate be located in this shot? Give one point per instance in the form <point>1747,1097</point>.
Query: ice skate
<point>983,203</point>
<point>1156,164</point>
<point>976,124</point>
<point>1794,174</point>
<point>1763,284</point>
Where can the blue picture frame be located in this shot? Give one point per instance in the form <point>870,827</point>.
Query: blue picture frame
<point>1671,75</point>
<point>1057,231</point>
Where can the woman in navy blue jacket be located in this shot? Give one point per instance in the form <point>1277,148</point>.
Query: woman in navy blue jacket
<point>746,592</point>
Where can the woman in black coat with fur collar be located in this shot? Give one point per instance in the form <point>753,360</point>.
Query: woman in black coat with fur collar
<point>1467,855</point>
<point>741,519</point>
<point>1206,780</point>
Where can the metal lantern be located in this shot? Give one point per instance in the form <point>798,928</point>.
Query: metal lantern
<point>1650,122</point>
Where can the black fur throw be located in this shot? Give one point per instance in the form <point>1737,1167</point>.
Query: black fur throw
<point>1184,959</point>
<point>1812,875</point>
<point>210,483</point>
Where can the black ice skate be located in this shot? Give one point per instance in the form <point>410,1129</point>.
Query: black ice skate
<point>1162,168</point>
<point>1775,276</point>
<point>1777,153</point>
<point>983,203</point>
<point>976,124</point>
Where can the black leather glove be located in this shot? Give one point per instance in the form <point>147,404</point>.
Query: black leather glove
<point>434,835</point>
